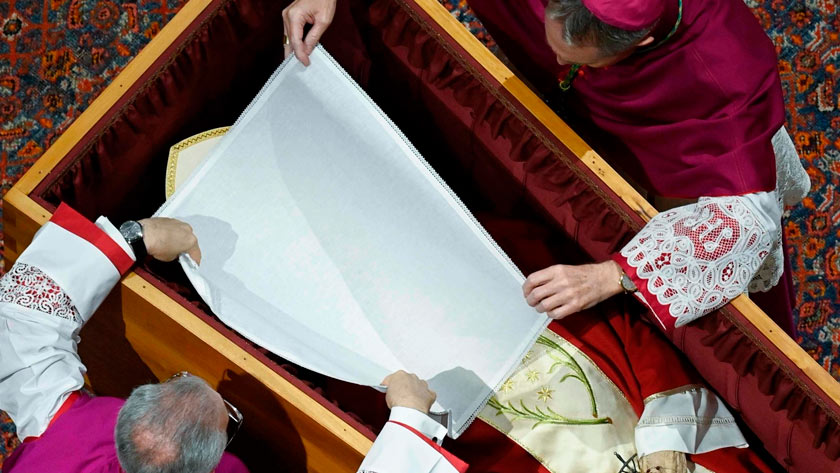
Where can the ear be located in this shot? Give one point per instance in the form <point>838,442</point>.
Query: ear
<point>645,42</point>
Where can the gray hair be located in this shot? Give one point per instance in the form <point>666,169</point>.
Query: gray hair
<point>582,28</point>
<point>170,427</point>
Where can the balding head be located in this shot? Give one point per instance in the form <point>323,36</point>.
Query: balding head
<point>172,427</point>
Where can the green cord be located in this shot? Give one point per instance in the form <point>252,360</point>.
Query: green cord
<point>566,83</point>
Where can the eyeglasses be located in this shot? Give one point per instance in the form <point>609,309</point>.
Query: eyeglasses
<point>235,418</point>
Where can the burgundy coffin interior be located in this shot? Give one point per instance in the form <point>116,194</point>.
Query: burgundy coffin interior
<point>503,163</point>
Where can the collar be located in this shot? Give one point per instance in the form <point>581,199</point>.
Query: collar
<point>667,25</point>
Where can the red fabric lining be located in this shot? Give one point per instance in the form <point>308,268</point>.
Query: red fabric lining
<point>533,163</point>
<point>72,221</point>
<point>452,459</point>
<point>770,394</point>
<point>121,156</point>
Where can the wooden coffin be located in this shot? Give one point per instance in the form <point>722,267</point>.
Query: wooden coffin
<point>502,149</point>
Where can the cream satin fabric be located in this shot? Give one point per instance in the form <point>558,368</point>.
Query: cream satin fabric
<point>328,240</point>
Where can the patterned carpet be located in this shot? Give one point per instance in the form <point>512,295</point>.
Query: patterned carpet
<point>57,55</point>
<point>55,58</point>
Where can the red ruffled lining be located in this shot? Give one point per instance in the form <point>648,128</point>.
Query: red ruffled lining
<point>791,416</point>
<point>503,134</point>
<point>203,81</point>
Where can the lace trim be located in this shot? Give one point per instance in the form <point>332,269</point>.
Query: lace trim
<point>792,181</point>
<point>697,258</point>
<point>28,286</point>
<point>692,420</point>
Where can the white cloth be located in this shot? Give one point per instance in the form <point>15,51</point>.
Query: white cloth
<point>691,421</point>
<point>328,240</point>
<point>694,259</point>
<point>398,450</point>
<point>43,304</point>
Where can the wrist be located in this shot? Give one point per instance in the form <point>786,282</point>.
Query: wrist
<point>416,405</point>
<point>134,234</point>
<point>148,234</point>
<point>612,277</point>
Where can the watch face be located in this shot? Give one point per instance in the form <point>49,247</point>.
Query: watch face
<point>131,231</point>
<point>627,283</point>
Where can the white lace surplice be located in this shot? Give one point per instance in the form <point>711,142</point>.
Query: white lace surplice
<point>327,239</point>
<point>691,260</point>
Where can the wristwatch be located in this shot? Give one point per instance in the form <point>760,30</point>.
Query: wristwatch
<point>132,231</point>
<point>627,284</point>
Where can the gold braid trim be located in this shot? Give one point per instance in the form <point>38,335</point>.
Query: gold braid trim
<point>172,162</point>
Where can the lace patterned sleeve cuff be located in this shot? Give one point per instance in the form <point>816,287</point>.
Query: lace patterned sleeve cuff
<point>67,246</point>
<point>691,260</point>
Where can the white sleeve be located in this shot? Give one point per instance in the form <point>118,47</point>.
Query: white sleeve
<point>45,298</point>
<point>409,443</point>
<point>694,259</point>
<point>690,419</point>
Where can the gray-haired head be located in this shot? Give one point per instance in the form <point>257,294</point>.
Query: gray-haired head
<point>582,28</point>
<point>172,427</point>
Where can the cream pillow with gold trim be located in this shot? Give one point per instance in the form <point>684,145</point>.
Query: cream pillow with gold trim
<point>186,155</point>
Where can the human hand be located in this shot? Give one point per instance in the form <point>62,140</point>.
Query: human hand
<point>317,12</point>
<point>166,238</point>
<point>666,461</point>
<point>407,390</point>
<point>562,290</point>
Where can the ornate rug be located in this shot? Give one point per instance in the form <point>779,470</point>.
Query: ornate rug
<point>57,55</point>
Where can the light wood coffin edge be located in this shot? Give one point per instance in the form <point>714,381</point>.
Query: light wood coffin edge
<point>23,215</point>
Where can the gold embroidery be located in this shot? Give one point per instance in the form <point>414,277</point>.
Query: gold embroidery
<point>174,150</point>
<point>544,394</point>
<point>527,357</point>
<point>533,376</point>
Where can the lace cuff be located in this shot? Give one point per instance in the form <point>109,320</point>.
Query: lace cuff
<point>691,260</point>
<point>29,287</point>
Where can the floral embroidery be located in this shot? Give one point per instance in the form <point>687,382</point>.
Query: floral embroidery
<point>540,416</point>
<point>544,394</point>
<point>562,408</point>
<point>560,358</point>
<point>28,286</point>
